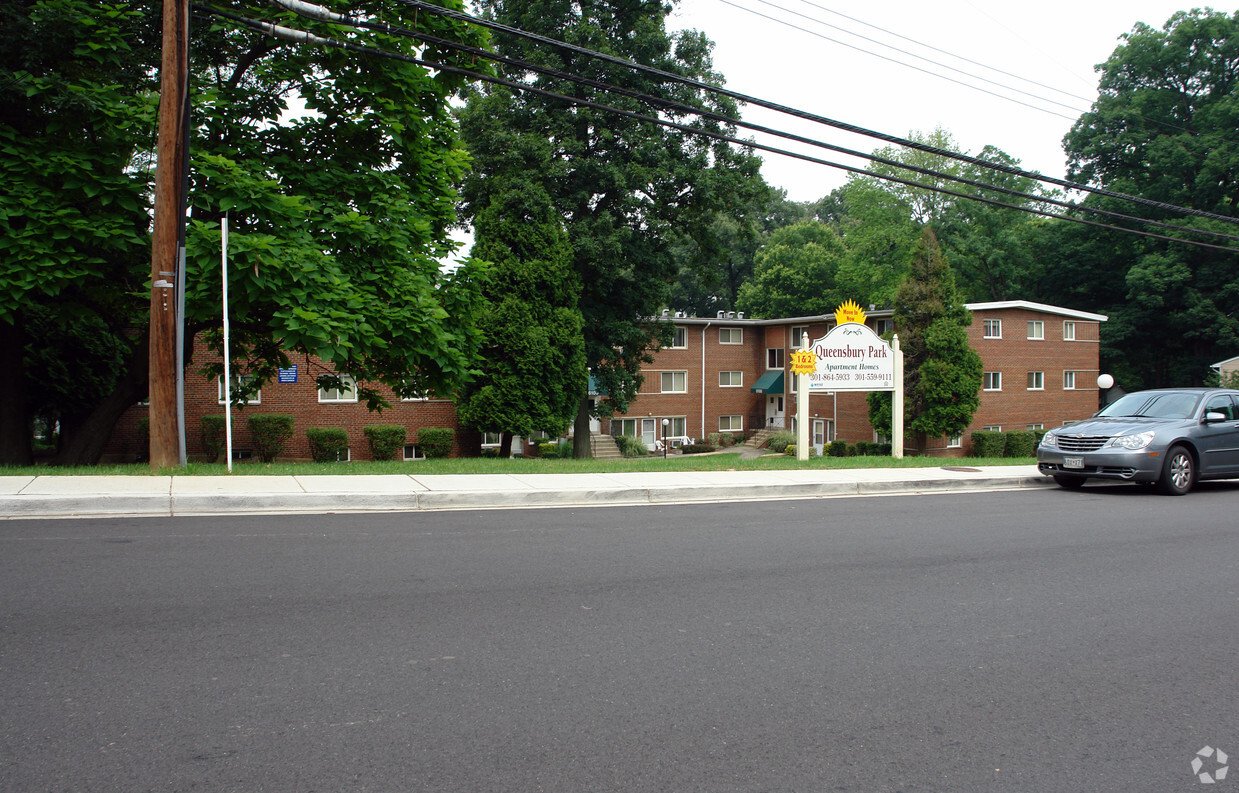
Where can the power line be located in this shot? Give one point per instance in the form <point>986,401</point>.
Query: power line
<point>318,13</point>
<point>748,99</point>
<point>299,36</point>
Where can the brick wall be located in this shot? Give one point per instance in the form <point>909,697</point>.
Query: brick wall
<point>300,399</point>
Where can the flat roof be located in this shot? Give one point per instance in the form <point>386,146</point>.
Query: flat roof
<point>882,313</point>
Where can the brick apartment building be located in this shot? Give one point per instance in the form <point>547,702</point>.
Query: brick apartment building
<point>721,374</point>
<point>732,374</point>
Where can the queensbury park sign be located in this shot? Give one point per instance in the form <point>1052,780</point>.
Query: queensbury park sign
<point>851,356</point>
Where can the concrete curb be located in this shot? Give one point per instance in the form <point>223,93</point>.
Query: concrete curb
<point>282,500</point>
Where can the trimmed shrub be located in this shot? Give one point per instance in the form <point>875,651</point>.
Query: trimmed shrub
<point>837,449</point>
<point>435,441</point>
<point>1020,443</point>
<point>778,441</point>
<point>213,441</point>
<point>726,440</point>
<point>790,451</point>
<point>328,444</point>
<point>883,450</point>
<point>696,448</point>
<point>631,446</point>
<point>987,443</point>
<point>271,432</point>
<point>385,440</point>
<point>866,449</point>
<point>714,439</point>
<point>559,450</point>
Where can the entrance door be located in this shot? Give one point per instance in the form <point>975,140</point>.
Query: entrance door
<point>647,432</point>
<point>819,435</point>
<point>595,424</point>
<point>774,412</point>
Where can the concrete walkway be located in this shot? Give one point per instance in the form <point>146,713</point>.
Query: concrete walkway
<point>117,496</point>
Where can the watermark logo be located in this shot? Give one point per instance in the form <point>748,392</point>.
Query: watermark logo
<point>1218,765</point>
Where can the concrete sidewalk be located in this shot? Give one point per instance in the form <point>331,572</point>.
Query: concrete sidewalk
<point>117,496</point>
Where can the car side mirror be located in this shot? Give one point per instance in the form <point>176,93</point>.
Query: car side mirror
<point>1213,417</point>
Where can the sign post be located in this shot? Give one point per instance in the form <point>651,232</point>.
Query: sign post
<point>804,363</point>
<point>853,357</point>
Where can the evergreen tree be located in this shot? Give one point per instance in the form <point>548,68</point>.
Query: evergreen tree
<point>942,373</point>
<point>624,188</point>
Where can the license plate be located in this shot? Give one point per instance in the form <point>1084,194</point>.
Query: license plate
<point>1073,462</point>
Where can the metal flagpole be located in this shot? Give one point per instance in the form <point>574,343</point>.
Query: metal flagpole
<point>223,244</point>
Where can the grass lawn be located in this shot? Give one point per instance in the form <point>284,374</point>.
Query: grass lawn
<point>718,461</point>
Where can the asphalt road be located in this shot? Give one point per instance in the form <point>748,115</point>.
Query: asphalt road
<point>1020,641</point>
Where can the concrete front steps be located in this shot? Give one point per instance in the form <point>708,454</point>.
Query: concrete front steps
<point>602,447</point>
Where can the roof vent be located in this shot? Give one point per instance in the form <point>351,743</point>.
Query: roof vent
<point>667,312</point>
<point>739,315</point>
<point>731,315</point>
<point>722,314</point>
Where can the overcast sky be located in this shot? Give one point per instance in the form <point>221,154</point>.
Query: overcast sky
<point>1053,42</point>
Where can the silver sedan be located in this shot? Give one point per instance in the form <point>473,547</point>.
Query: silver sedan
<point>1171,437</point>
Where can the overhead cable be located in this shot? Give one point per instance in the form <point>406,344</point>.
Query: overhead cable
<point>752,100</point>
<point>304,37</point>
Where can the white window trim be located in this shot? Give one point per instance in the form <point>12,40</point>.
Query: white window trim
<point>992,428</point>
<point>955,442</point>
<point>1067,323</point>
<point>417,453</point>
<point>256,399</point>
<point>350,383</point>
<point>1035,427</point>
<point>740,384</point>
<point>679,329</point>
<point>986,334</point>
<point>735,334</point>
<point>778,353</point>
<point>1069,374</point>
<point>673,373</point>
<point>998,377</point>
<point>1039,378</point>
<point>731,429</point>
<point>1036,325</point>
<point>795,335</point>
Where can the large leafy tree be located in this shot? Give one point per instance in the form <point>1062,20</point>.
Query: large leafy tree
<point>339,171</point>
<point>796,273</point>
<point>1163,127</point>
<point>77,109</point>
<point>624,187</point>
<point>942,373</point>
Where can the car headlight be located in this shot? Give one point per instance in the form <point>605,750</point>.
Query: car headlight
<point>1049,441</point>
<point>1136,441</point>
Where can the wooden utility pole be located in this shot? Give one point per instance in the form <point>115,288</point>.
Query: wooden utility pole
<point>169,217</point>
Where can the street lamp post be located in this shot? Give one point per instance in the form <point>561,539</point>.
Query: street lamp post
<point>665,423</point>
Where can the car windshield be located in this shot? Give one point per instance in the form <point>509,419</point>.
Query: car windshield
<point>1157,406</point>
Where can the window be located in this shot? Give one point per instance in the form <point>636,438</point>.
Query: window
<point>955,442</point>
<point>992,428</point>
<point>731,335</point>
<point>1036,381</point>
<point>677,427</point>
<point>774,358</point>
<point>624,427</point>
<point>1036,426</point>
<point>411,452</point>
<point>680,339</point>
<point>674,382</point>
<point>239,382</point>
<point>1036,329</point>
<point>731,423</point>
<point>1069,381</point>
<point>491,438</point>
<point>1069,331</point>
<point>733,379</point>
<point>884,326</point>
<point>991,381</point>
<point>1222,404</point>
<point>347,392</point>
<point>796,338</point>
<point>993,328</point>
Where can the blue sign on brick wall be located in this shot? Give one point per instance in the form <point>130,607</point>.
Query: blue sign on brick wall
<point>288,375</point>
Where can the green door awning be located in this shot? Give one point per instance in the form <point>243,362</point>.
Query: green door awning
<point>769,383</point>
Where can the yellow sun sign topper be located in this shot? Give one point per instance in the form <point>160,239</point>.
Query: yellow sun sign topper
<point>803,362</point>
<point>850,312</point>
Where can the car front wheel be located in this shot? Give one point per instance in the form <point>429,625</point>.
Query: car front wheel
<point>1178,472</point>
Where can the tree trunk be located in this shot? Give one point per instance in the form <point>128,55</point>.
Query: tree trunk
<point>86,445</point>
<point>505,445</point>
<point>15,429</point>
<point>581,449</point>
